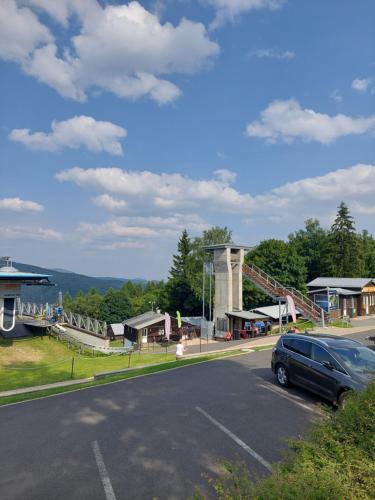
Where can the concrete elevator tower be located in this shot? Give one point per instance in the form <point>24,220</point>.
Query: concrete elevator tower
<point>228,260</point>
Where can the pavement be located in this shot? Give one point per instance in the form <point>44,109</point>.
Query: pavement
<point>152,437</point>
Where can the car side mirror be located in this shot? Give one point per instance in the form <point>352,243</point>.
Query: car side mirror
<point>328,365</point>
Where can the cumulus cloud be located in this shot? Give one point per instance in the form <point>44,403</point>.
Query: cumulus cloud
<point>18,205</point>
<point>30,233</point>
<point>123,49</point>
<point>273,54</point>
<point>109,203</point>
<point>138,231</point>
<point>77,132</point>
<point>287,120</point>
<point>319,196</point>
<point>168,192</point>
<point>150,214</point>
<point>20,32</point>
<point>361,85</point>
<point>230,10</point>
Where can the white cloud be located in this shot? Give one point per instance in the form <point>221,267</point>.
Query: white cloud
<point>109,203</point>
<point>18,205</point>
<point>361,85</point>
<point>226,176</point>
<point>20,32</point>
<point>79,131</point>
<point>287,120</point>
<point>28,232</point>
<point>170,192</point>
<point>273,54</point>
<point>230,10</point>
<point>336,96</point>
<point>138,231</point>
<point>114,228</point>
<point>319,196</point>
<point>123,49</point>
<point>121,245</point>
<point>151,214</point>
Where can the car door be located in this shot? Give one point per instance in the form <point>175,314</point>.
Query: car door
<point>324,381</point>
<point>299,361</point>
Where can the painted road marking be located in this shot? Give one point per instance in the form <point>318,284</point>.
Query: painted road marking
<point>106,482</point>
<point>236,439</point>
<point>294,399</point>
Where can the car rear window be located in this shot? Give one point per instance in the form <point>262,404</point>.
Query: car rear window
<point>298,346</point>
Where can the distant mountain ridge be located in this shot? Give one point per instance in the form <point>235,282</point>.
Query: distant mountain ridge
<point>66,281</point>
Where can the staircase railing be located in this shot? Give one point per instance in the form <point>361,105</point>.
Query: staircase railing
<point>276,290</point>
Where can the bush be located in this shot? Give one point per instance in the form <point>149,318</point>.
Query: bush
<point>336,460</point>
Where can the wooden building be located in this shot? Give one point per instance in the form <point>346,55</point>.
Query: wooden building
<point>344,296</point>
<point>150,327</point>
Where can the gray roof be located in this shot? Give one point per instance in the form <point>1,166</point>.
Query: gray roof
<point>117,328</point>
<point>341,282</point>
<point>340,291</point>
<point>247,315</point>
<point>144,320</point>
<point>222,246</point>
<point>273,311</point>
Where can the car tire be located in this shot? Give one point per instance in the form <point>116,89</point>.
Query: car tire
<point>282,375</point>
<point>342,399</point>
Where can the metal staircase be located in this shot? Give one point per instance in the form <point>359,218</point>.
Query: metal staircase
<point>276,291</point>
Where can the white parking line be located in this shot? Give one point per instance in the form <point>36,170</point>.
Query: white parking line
<point>289,397</point>
<point>236,439</point>
<point>106,482</point>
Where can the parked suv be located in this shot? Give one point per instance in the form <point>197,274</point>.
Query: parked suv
<point>329,366</point>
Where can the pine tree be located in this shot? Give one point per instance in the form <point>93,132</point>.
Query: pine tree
<point>180,294</point>
<point>343,252</point>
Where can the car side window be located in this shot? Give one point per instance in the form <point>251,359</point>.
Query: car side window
<point>302,347</point>
<point>320,355</point>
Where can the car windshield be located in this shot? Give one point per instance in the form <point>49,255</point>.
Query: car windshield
<point>360,359</point>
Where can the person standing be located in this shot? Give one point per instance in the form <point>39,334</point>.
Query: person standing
<point>179,350</point>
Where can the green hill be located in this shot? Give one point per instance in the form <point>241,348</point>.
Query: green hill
<point>65,281</point>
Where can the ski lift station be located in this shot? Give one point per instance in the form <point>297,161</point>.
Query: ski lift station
<point>10,290</point>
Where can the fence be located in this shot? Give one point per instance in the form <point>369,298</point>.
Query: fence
<point>85,323</point>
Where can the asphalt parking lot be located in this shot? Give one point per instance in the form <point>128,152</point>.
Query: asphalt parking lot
<point>151,437</point>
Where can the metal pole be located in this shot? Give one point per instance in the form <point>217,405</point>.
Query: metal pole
<point>203,284</point>
<point>280,318</point>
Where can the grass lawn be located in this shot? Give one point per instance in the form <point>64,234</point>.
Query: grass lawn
<point>123,376</point>
<point>37,361</point>
<point>341,324</point>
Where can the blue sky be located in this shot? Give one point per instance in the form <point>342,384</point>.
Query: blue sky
<point>123,123</point>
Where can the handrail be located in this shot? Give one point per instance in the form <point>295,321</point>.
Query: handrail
<point>268,281</point>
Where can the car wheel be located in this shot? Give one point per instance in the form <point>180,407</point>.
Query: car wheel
<point>343,399</point>
<point>282,375</point>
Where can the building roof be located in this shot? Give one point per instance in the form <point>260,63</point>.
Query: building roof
<point>222,246</point>
<point>340,291</point>
<point>192,320</point>
<point>10,273</point>
<point>247,315</point>
<point>341,282</point>
<point>117,328</point>
<point>273,311</point>
<point>144,320</point>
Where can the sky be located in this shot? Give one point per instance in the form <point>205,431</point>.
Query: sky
<point>122,123</point>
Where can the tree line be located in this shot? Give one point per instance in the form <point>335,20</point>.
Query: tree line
<point>310,252</point>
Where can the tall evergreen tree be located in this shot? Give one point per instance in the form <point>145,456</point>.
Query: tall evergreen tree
<point>344,252</point>
<point>179,290</point>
